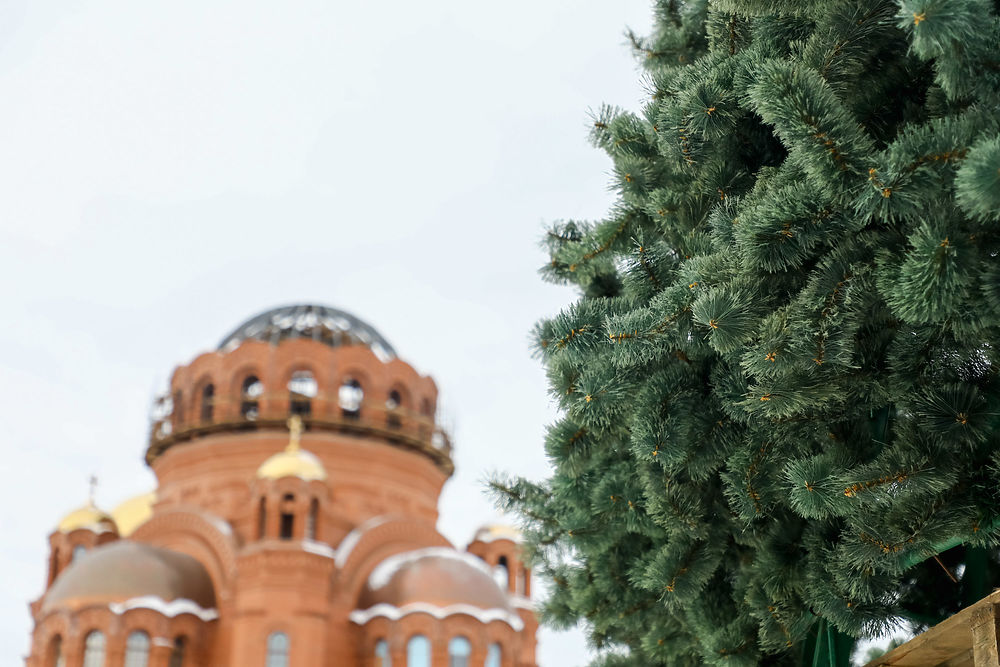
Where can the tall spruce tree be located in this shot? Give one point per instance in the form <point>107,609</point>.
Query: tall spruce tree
<point>779,388</point>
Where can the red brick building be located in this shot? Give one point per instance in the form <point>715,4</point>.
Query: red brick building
<point>298,472</point>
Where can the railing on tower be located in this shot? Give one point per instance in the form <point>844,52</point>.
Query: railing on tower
<point>387,420</point>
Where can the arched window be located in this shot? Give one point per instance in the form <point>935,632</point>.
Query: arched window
<point>311,519</point>
<point>56,658</point>
<point>501,573</point>
<point>519,582</point>
<point>93,650</point>
<point>493,655</point>
<point>177,655</point>
<point>418,652</point>
<point>350,397</point>
<point>459,650</point>
<point>382,657</point>
<point>302,389</point>
<point>277,650</point>
<point>137,649</point>
<point>262,519</point>
<point>250,393</point>
<point>392,404</point>
<point>207,402</point>
<point>287,526</point>
<point>79,551</point>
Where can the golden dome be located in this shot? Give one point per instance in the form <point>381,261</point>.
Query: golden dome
<point>88,517</point>
<point>134,512</point>
<point>294,461</point>
<point>497,531</point>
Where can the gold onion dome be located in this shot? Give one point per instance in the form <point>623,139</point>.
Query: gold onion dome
<point>498,531</point>
<point>88,517</point>
<point>134,512</point>
<point>293,461</point>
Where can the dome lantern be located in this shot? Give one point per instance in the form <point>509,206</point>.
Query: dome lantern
<point>88,517</point>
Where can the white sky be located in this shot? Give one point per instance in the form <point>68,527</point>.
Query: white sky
<point>169,169</point>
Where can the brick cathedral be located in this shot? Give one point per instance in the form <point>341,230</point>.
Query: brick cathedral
<point>298,472</point>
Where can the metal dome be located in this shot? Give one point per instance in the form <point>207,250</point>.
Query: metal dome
<point>322,323</point>
<point>126,570</point>
<point>434,575</point>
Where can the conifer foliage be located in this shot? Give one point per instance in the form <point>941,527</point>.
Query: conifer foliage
<point>779,385</point>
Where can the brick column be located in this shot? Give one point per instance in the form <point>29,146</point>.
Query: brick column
<point>74,652</point>
<point>439,650</point>
<point>397,651</point>
<point>114,653</point>
<point>159,652</point>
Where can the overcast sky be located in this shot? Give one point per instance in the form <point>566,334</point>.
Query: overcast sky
<point>169,169</point>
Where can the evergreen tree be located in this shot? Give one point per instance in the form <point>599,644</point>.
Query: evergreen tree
<point>779,385</point>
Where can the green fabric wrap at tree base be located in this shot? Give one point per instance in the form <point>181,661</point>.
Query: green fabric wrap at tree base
<point>778,388</point>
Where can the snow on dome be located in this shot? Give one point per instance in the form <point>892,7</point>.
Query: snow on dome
<point>438,581</point>
<point>362,616</point>
<point>498,531</point>
<point>169,609</point>
<point>439,576</point>
<point>123,571</point>
<point>391,566</point>
<point>321,323</point>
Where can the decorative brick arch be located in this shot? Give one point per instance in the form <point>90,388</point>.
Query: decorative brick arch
<point>518,572</point>
<point>243,361</point>
<point>233,388</point>
<point>374,541</point>
<point>295,365</point>
<point>405,392</point>
<point>199,535</point>
<point>357,372</point>
<point>57,622</point>
<point>74,626</point>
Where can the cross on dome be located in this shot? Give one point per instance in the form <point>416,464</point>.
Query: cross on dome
<point>294,433</point>
<point>293,461</point>
<point>91,494</point>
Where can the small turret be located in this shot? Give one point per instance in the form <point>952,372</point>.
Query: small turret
<point>77,532</point>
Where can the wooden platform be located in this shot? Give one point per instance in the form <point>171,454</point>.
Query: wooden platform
<point>969,638</point>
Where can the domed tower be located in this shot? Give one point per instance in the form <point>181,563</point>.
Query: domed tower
<point>298,471</point>
<point>78,532</point>
<point>499,546</point>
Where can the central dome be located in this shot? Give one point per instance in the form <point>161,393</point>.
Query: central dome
<point>322,323</point>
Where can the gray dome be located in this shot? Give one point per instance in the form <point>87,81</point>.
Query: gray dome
<point>123,570</point>
<point>321,323</point>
